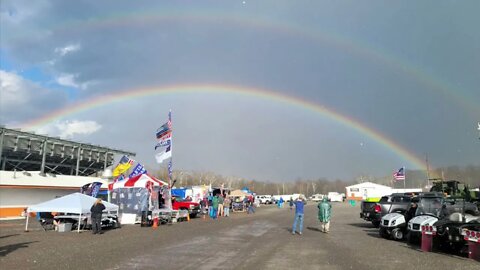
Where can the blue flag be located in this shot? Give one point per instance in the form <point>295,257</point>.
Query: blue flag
<point>139,169</point>
<point>95,189</point>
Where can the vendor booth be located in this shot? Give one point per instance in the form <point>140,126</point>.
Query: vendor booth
<point>239,198</point>
<point>76,207</point>
<point>138,197</point>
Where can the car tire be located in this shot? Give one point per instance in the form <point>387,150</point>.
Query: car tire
<point>376,224</point>
<point>397,234</point>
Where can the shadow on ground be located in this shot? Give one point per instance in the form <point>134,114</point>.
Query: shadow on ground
<point>314,229</point>
<point>362,225</point>
<point>10,235</point>
<point>4,250</point>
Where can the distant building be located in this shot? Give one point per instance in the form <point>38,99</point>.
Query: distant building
<point>366,190</point>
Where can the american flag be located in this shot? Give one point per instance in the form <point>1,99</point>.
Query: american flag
<point>400,174</point>
<point>164,129</point>
<point>125,160</point>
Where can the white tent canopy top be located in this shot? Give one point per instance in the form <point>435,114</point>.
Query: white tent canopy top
<point>75,203</point>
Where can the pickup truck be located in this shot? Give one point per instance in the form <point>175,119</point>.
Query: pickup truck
<point>182,204</point>
<point>396,202</point>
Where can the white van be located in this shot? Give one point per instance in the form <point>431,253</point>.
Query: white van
<point>317,197</point>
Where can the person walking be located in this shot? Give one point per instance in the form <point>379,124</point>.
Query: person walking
<point>215,206</point>
<point>281,202</point>
<point>96,213</point>
<point>324,214</point>
<point>226,206</point>
<point>251,206</point>
<point>291,203</point>
<point>220,205</point>
<point>299,204</point>
<point>210,206</point>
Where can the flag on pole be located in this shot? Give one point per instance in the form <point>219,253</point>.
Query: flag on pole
<point>400,174</point>
<point>163,143</point>
<point>139,169</point>
<point>164,129</point>
<point>124,164</point>
<point>95,189</point>
<point>160,157</point>
<point>91,189</point>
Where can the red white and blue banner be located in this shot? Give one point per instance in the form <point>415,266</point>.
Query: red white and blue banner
<point>139,169</point>
<point>164,140</point>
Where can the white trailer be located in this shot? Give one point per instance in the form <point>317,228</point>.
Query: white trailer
<point>335,197</point>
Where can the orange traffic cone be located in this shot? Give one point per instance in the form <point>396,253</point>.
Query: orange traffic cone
<point>155,223</point>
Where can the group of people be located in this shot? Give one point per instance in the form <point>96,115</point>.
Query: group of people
<point>216,206</point>
<point>324,215</point>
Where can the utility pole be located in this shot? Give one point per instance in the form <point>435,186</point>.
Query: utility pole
<point>428,170</point>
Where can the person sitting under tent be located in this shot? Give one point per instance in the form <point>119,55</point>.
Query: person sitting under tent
<point>56,222</point>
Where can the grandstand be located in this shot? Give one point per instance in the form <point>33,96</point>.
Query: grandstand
<point>26,151</point>
<point>35,168</point>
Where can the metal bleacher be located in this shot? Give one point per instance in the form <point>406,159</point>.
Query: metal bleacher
<point>26,151</point>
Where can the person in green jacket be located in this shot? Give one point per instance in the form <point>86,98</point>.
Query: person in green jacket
<point>324,214</point>
<point>215,202</point>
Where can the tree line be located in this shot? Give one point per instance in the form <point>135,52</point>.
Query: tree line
<point>414,179</point>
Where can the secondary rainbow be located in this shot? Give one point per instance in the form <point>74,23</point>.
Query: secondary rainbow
<point>228,90</point>
<point>353,46</point>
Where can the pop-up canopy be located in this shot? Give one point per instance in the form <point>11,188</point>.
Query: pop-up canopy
<point>239,193</point>
<point>75,203</point>
<point>141,180</point>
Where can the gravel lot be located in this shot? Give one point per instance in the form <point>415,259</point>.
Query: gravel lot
<point>259,241</point>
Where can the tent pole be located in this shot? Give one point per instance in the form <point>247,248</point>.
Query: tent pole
<point>79,222</point>
<point>26,223</point>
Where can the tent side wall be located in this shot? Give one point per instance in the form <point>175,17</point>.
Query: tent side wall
<point>131,200</point>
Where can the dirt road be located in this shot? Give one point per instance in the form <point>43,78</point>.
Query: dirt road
<point>259,241</point>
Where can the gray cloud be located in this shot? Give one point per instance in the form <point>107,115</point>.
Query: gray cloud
<point>407,71</point>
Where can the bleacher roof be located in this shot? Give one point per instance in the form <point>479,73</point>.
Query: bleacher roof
<point>24,151</point>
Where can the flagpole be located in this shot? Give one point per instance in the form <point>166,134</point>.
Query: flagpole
<point>170,165</point>
<point>428,170</point>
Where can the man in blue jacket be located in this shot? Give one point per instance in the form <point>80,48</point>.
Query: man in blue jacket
<point>299,203</point>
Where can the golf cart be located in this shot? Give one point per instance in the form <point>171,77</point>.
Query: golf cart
<point>394,224</point>
<point>431,208</point>
<point>450,232</point>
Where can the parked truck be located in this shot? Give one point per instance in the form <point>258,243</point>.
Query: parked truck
<point>182,204</point>
<point>394,203</point>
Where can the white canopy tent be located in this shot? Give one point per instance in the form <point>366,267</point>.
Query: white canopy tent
<point>75,203</point>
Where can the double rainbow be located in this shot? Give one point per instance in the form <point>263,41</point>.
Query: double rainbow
<point>257,93</point>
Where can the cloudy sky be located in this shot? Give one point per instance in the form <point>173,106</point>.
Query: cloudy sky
<point>353,88</point>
